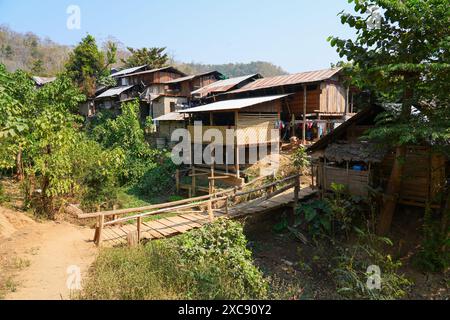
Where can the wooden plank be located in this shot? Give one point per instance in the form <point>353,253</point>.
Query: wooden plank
<point>197,218</point>
<point>152,232</point>
<point>161,228</point>
<point>172,225</point>
<point>182,221</point>
<point>180,224</point>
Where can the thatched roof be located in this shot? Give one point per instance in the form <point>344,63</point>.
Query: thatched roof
<point>359,151</point>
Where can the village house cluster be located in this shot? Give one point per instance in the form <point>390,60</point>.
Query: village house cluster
<point>316,107</point>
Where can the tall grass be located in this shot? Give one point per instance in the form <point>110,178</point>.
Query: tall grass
<point>211,263</point>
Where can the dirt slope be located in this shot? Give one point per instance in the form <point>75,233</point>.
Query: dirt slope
<point>35,256</point>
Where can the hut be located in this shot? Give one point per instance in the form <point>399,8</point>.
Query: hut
<point>166,124</point>
<point>343,157</point>
<point>249,131</point>
<point>320,100</point>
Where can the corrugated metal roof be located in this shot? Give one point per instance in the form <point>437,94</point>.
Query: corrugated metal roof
<point>233,104</point>
<point>40,81</point>
<point>152,71</point>
<point>173,116</point>
<point>191,77</point>
<point>298,78</point>
<point>114,92</point>
<point>127,71</point>
<point>222,85</point>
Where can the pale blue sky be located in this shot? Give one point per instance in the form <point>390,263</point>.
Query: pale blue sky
<point>289,33</point>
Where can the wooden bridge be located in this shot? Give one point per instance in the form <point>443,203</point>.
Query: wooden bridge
<point>134,225</point>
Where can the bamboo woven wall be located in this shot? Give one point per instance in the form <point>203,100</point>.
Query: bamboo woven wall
<point>254,128</point>
<point>357,182</point>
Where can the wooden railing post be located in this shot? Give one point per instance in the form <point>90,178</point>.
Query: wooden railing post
<point>226,206</point>
<point>296,193</point>
<point>177,180</point>
<point>101,222</point>
<point>114,217</point>
<point>194,187</point>
<point>210,210</point>
<point>139,226</point>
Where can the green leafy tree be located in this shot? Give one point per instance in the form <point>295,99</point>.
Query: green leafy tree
<point>87,64</point>
<point>38,128</point>
<point>38,67</point>
<point>153,57</point>
<point>125,132</point>
<point>404,53</point>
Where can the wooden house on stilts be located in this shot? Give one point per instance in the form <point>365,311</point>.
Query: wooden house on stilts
<point>242,131</point>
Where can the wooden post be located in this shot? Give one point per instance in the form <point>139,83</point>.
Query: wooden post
<point>139,226</point>
<point>114,209</point>
<point>210,210</point>
<point>293,125</point>
<point>236,145</point>
<point>193,191</point>
<point>177,180</point>
<point>347,102</point>
<point>211,181</point>
<point>238,173</point>
<point>296,194</point>
<point>226,206</point>
<point>132,239</point>
<point>304,114</point>
<point>101,222</point>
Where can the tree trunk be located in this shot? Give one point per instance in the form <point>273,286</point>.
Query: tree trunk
<point>445,222</point>
<point>19,165</point>
<point>392,192</point>
<point>395,180</point>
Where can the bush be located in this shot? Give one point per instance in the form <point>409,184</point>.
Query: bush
<point>433,255</point>
<point>224,245</point>
<point>352,267</point>
<point>300,158</point>
<point>158,178</point>
<point>3,197</point>
<point>208,263</point>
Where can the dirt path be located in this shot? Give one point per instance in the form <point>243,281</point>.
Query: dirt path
<point>34,257</point>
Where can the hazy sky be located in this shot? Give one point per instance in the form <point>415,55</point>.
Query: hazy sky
<point>289,33</point>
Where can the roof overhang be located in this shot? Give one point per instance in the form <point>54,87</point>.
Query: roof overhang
<point>238,104</point>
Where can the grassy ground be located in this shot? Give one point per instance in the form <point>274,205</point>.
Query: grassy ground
<point>208,263</point>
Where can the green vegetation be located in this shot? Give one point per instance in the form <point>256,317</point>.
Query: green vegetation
<point>333,223</point>
<point>404,59</point>
<point>211,263</point>
<point>434,255</point>
<point>88,66</point>
<point>300,158</point>
<point>153,57</point>
<point>57,158</point>
<point>352,270</point>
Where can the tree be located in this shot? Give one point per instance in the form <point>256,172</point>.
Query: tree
<point>87,64</point>
<point>37,130</point>
<point>38,67</point>
<point>403,50</point>
<point>153,57</point>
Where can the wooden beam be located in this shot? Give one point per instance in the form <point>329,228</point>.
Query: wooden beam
<point>304,114</point>
<point>194,182</point>
<point>236,146</point>
<point>177,180</point>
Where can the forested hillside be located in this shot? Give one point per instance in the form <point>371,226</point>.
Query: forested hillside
<point>44,57</point>
<point>266,69</point>
<point>31,53</point>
